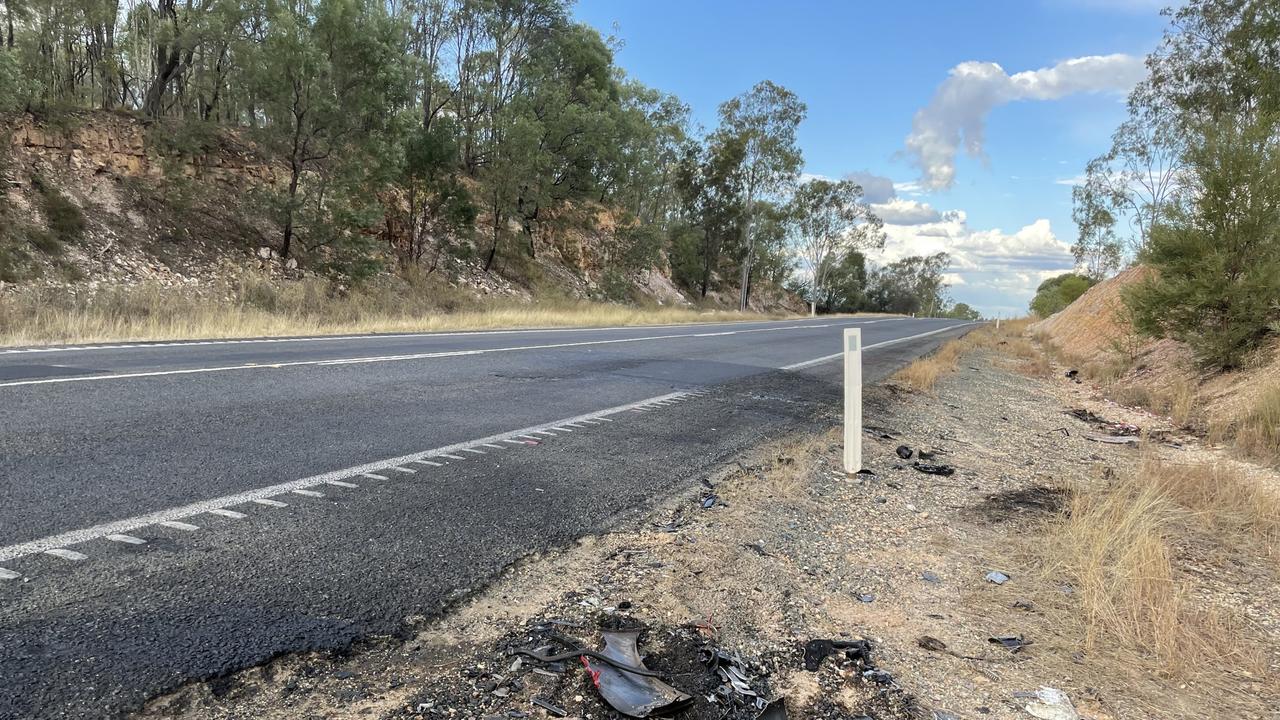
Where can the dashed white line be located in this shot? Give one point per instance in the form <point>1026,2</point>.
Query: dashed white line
<point>428,462</point>
<point>473,451</point>
<point>269,502</point>
<point>218,505</point>
<point>179,525</point>
<point>126,539</point>
<point>562,429</point>
<point>491,445</point>
<point>308,493</point>
<point>66,554</point>
<point>451,457</point>
<point>375,476</point>
<point>341,484</point>
<point>9,574</point>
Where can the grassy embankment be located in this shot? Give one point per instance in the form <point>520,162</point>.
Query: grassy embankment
<point>1123,543</point>
<point>256,308</point>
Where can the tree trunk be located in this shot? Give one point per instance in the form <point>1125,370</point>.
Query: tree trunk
<point>751,251</point>
<point>497,222</point>
<point>287,242</point>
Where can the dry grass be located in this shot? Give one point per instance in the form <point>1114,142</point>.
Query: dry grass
<point>1257,434</point>
<point>922,374</point>
<point>1117,548</point>
<point>1221,499</point>
<point>256,308</point>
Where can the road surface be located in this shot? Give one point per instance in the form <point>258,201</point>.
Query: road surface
<point>171,512</point>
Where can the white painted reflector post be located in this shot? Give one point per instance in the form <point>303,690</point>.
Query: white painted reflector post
<point>852,400</point>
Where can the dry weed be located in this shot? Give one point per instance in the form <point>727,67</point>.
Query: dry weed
<point>1257,434</point>
<point>254,307</point>
<point>1115,547</point>
<point>1220,498</point>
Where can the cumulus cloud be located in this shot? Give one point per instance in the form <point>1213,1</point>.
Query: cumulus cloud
<point>901,211</point>
<point>956,115</point>
<point>993,270</point>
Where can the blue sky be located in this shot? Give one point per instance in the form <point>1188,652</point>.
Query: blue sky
<point>866,69</point>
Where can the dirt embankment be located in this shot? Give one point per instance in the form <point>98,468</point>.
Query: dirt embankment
<point>186,207</point>
<point>782,549</point>
<point>1094,336</point>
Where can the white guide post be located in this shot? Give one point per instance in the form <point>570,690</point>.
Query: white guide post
<point>852,400</point>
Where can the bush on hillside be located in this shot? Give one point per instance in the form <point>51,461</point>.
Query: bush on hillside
<point>1058,292</point>
<point>1217,285</point>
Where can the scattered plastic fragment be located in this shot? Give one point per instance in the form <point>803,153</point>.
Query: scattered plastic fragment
<point>997,577</point>
<point>1012,642</point>
<point>944,470</point>
<point>631,693</point>
<point>776,710</point>
<point>866,597</point>
<point>1113,439</point>
<point>877,676</point>
<point>554,710</point>
<point>1052,704</point>
<point>709,502</point>
<point>904,452</point>
<point>930,576</point>
<point>815,651</point>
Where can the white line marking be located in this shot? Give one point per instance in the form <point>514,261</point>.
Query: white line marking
<point>269,502</point>
<point>375,476</point>
<point>380,358</point>
<point>217,505</point>
<point>542,432</point>
<point>562,429</point>
<point>473,450</point>
<point>228,513</point>
<point>529,437</point>
<point>66,554</point>
<point>178,525</point>
<point>428,462</point>
<point>144,345</point>
<point>309,493</point>
<point>491,445</point>
<point>9,574</point>
<point>829,358</point>
<point>341,483</point>
<point>451,457</point>
<point>127,539</point>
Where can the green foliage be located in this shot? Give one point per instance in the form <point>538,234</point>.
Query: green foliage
<point>1217,262</point>
<point>829,220</point>
<point>911,285</point>
<point>845,288</point>
<point>406,133</point>
<point>1058,292</point>
<point>962,311</point>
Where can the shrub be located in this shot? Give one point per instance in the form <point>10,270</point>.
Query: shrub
<point>1058,292</point>
<point>1217,261</point>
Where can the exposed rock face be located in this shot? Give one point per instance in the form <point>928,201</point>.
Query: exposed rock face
<point>117,144</point>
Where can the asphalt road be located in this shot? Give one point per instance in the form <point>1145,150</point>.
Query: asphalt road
<point>171,512</point>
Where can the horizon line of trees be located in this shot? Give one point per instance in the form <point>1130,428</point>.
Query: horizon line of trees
<point>474,125</point>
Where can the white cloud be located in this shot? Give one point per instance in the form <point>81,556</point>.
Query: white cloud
<point>900,211</point>
<point>956,115</point>
<point>991,269</point>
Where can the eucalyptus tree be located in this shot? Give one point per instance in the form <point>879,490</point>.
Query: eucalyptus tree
<point>764,121</point>
<point>829,219</point>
